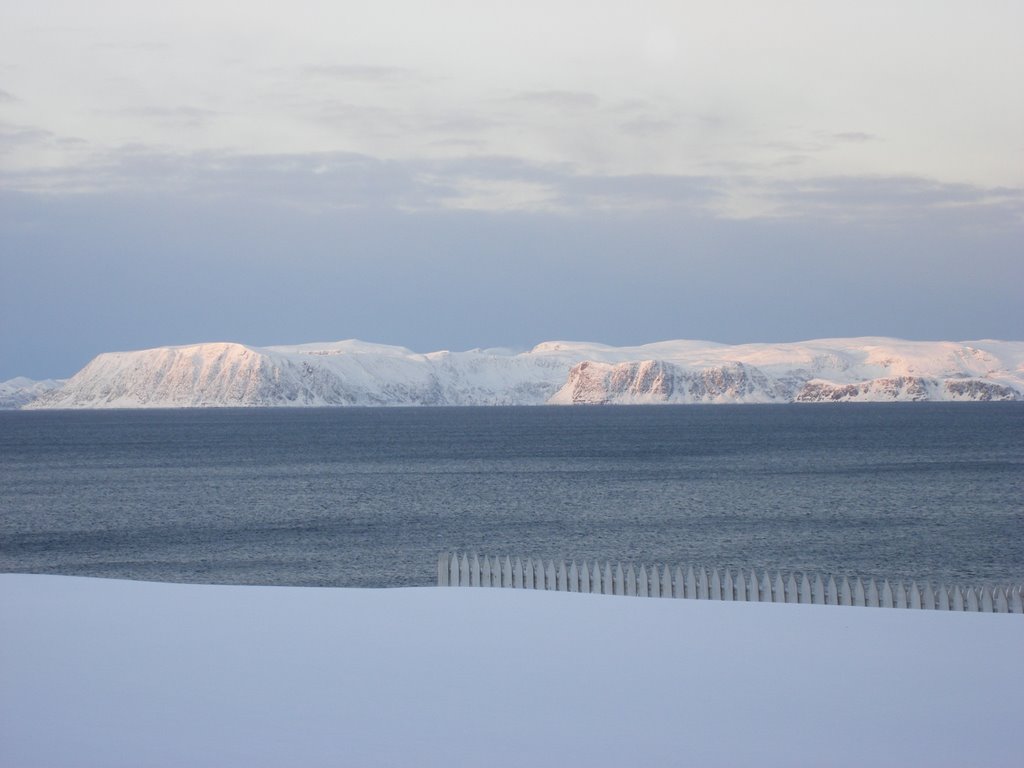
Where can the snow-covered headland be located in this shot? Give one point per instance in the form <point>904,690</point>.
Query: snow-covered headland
<point>357,373</point>
<point>115,673</point>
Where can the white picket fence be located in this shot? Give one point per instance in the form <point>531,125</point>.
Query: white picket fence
<point>697,582</point>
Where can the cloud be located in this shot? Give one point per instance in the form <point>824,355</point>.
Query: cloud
<point>558,99</point>
<point>856,137</point>
<point>647,126</point>
<point>887,194</point>
<point>798,149</point>
<point>324,181</point>
<point>183,115</point>
<point>133,47</point>
<point>458,142</point>
<point>12,135</point>
<point>642,191</point>
<point>789,161</point>
<point>459,124</point>
<point>7,97</point>
<point>362,73</point>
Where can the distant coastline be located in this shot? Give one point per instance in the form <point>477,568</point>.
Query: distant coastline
<point>352,372</point>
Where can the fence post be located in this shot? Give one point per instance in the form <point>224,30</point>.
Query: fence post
<point>913,596</point>
<point>741,586</point>
<point>485,572</point>
<point>608,582</point>
<point>972,599</point>
<point>631,581</point>
<point>958,598</point>
<point>716,586</point>
<point>886,595</point>
<point>728,587</point>
<point>791,589</point>
<point>986,599</point>
<point>805,589</point>
<point>942,600</point>
<point>859,598</point>
<point>442,570</point>
<point>703,585</point>
<point>574,577</point>
<point>595,579</point>
<point>927,597</point>
<point>766,588</point>
<point>872,593</point>
<point>845,596</point>
<point>666,583</point>
<point>1017,601</point>
<point>679,586</point>
<point>778,589</point>
<point>752,590</point>
<point>691,583</point>
<point>654,585</point>
<point>901,594</point>
<point>517,574</point>
<point>620,580</point>
<point>643,587</point>
<point>453,570</point>
<point>1002,604</point>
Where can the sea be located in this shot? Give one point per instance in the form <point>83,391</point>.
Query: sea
<point>369,497</point>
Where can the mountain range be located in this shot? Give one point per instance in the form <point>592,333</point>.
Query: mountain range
<point>363,374</point>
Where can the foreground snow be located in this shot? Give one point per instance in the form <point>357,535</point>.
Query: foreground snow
<point>112,673</point>
<point>357,373</point>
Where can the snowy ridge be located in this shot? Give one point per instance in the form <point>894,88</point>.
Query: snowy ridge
<point>359,373</point>
<point>19,391</point>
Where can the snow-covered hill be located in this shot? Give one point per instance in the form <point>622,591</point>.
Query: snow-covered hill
<point>19,391</point>
<point>358,373</point>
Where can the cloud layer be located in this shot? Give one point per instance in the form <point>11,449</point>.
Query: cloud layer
<point>492,174</point>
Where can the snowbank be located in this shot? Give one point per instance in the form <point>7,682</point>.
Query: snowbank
<point>114,673</point>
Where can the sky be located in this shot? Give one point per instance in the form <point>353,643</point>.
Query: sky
<point>476,174</point>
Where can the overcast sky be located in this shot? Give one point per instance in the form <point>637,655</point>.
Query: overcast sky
<point>463,174</point>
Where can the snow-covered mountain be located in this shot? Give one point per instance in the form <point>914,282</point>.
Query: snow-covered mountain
<point>358,373</point>
<point>19,391</point>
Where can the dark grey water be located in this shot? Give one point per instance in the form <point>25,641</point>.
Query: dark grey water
<point>368,497</point>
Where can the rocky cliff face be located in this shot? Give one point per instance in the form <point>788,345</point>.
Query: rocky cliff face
<point>905,388</point>
<point>657,381</point>
<point>980,391</point>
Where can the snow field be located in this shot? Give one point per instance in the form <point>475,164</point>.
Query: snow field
<point>116,673</point>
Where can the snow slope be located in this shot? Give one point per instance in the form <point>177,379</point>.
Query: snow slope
<point>358,373</point>
<point>113,673</point>
<point>19,391</point>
